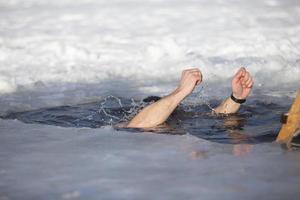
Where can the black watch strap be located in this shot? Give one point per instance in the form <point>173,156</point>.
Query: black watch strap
<point>240,101</point>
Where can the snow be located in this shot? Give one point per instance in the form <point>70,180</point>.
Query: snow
<point>47,162</point>
<point>59,52</point>
<point>86,49</point>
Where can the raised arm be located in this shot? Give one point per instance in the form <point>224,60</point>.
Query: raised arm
<point>158,112</point>
<point>241,85</point>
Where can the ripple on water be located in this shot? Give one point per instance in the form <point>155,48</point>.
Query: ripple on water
<point>256,122</point>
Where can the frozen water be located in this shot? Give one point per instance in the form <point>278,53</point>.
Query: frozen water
<point>48,162</point>
<point>67,52</point>
<point>57,52</point>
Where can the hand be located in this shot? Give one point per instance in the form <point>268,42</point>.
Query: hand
<point>241,84</point>
<point>190,78</point>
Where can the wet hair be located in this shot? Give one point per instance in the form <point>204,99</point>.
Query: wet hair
<point>150,99</point>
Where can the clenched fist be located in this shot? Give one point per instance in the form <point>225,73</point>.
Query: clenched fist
<point>190,78</point>
<point>241,84</point>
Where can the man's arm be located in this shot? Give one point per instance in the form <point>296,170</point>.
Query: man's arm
<point>241,84</point>
<point>158,112</point>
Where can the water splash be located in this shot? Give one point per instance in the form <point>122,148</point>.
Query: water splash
<point>200,96</point>
<point>126,115</point>
<point>201,93</point>
<point>136,106</point>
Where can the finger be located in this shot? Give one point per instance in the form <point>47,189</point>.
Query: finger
<point>196,76</point>
<point>239,74</point>
<point>196,73</point>
<point>241,71</point>
<point>250,85</point>
<point>187,71</point>
<point>192,69</point>
<point>245,78</point>
<point>198,79</point>
<point>201,76</point>
<point>201,79</point>
<point>248,81</point>
<point>199,82</point>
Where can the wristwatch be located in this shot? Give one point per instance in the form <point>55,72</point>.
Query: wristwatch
<point>240,101</point>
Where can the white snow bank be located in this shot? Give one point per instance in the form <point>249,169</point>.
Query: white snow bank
<point>47,162</point>
<point>90,48</point>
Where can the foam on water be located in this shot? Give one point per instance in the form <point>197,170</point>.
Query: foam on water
<point>68,52</point>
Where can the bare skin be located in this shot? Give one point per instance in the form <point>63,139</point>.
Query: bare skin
<point>241,85</point>
<point>158,112</point>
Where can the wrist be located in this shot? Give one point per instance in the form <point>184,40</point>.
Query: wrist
<point>180,93</point>
<point>237,99</point>
<point>237,96</point>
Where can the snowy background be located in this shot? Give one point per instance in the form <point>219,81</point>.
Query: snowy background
<point>59,52</point>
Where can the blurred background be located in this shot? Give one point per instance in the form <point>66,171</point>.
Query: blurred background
<point>58,52</point>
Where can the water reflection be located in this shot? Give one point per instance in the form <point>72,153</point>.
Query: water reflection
<point>234,125</point>
<point>235,149</point>
<point>242,149</point>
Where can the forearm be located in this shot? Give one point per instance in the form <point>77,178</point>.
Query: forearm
<point>158,112</point>
<point>241,85</point>
<point>227,107</point>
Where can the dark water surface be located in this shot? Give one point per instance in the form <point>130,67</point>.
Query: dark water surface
<point>257,121</point>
